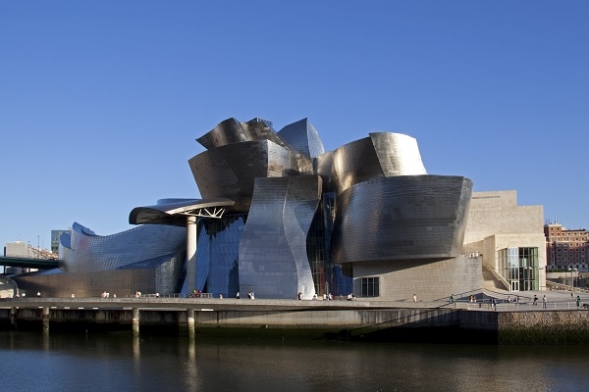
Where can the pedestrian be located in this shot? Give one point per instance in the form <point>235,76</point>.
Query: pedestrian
<point>493,304</point>
<point>253,295</point>
<point>578,302</point>
<point>314,297</point>
<point>237,295</point>
<point>299,296</point>
<point>535,300</point>
<point>544,302</point>
<point>452,298</point>
<point>249,295</point>
<point>414,298</point>
<point>38,293</point>
<point>220,295</point>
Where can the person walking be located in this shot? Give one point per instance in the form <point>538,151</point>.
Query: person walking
<point>578,300</point>
<point>544,302</point>
<point>535,300</point>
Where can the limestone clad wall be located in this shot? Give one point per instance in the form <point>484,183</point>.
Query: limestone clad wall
<point>429,280</point>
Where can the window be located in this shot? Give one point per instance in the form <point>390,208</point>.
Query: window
<point>370,287</point>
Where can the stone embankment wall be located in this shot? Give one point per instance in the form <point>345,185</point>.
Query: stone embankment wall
<point>403,324</point>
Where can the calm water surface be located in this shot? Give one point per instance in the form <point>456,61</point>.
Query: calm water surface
<point>118,362</point>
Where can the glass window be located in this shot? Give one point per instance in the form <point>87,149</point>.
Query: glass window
<point>370,287</point>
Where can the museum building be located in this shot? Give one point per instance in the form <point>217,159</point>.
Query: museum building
<point>281,217</point>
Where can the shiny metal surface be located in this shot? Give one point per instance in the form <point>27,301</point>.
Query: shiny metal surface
<point>303,137</point>
<point>380,155</point>
<point>273,258</point>
<point>230,171</point>
<point>398,154</point>
<point>232,131</point>
<point>90,252</point>
<point>400,218</point>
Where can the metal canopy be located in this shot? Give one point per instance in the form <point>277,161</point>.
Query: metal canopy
<point>175,212</point>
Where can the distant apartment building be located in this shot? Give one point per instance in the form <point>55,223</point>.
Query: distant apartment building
<point>55,236</point>
<point>566,249</point>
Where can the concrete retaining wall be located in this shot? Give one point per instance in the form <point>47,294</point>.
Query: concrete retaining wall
<point>442,325</point>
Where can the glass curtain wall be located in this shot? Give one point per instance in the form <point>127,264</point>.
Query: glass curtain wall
<point>218,253</point>
<point>519,266</point>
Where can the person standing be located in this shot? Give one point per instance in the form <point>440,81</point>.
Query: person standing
<point>535,300</point>
<point>414,298</point>
<point>578,300</point>
<point>544,302</point>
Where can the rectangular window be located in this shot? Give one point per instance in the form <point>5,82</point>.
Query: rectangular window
<point>370,287</point>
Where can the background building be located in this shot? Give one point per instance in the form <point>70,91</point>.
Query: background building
<point>566,249</point>
<point>55,236</point>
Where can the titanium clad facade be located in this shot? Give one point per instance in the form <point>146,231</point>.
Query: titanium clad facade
<point>303,137</point>
<point>91,252</point>
<point>400,218</point>
<point>380,155</point>
<point>232,131</point>
<point>398,154</point>
<point>229,171</point>
<point>273,258</point>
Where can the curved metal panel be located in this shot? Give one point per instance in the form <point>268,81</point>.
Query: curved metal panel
<point>303,137</point>
<point>226,132</point>
<point>398,154</point>
<point>232,131</point>
<point>383,154</point>
<point>90,252</point>
<point>400,218</point>
<point>273,258</point>
<point>230,171</point>
<point>353,163</point>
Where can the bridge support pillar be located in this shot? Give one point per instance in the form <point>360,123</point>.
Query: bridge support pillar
<point>136,320</point>
<point>13,312</point>
<point>45,319</point>
<point>190,320</point>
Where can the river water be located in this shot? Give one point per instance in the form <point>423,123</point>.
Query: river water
<point>118,362</point>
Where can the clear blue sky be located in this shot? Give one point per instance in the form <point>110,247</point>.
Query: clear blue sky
<point>101,101</point>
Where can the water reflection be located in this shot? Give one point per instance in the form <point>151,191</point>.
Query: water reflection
<point>121,362</point>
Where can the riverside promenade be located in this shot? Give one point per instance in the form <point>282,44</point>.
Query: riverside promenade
<point>435,321</point>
